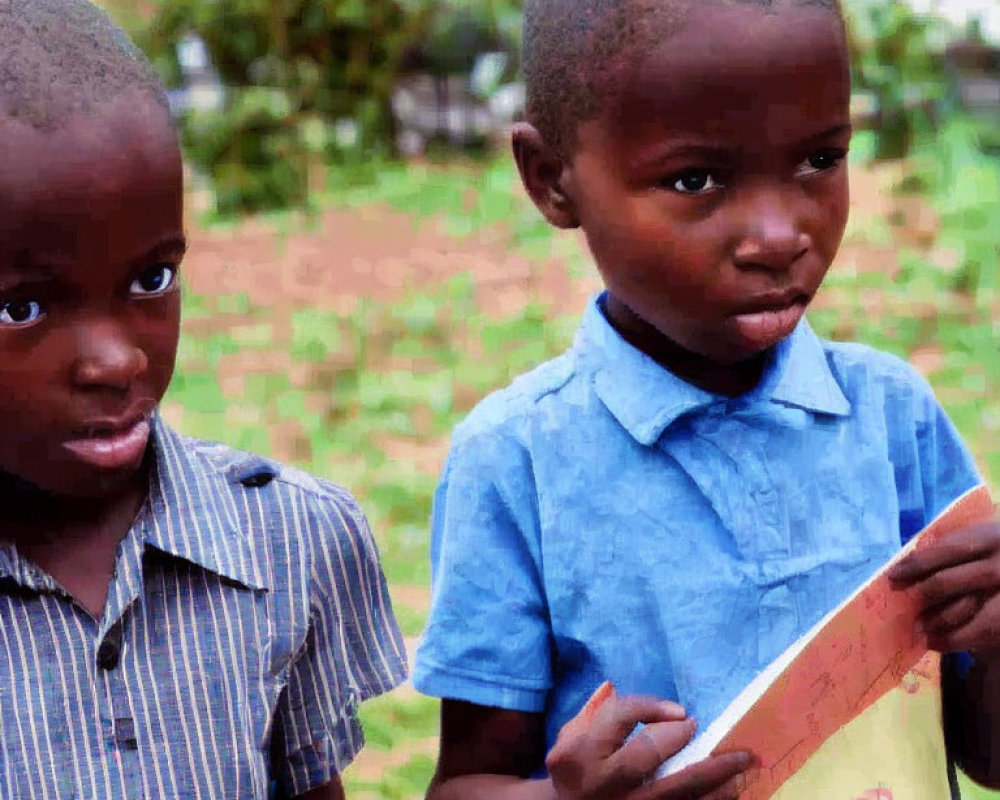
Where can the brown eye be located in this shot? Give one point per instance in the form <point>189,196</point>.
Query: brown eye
<point>693,181</point>
<point>20,312</point>
<point>154,280</point>
<point>821,161</point>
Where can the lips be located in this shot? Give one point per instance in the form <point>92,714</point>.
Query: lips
<point>767,320</point>
<point>111,444</point>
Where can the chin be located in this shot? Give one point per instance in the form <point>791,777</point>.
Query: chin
<point>101,486</point>
<point>85,486</point>
<point>724,354</point>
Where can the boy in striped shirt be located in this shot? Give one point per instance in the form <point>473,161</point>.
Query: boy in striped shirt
<point>177,619</point>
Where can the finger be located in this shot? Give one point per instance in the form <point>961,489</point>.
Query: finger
<point>601,695</point>
<point>581,723</point>
<point>951,616</point>
<point>639,758</point>
<point>980,634</point>
<point>600,729</point>
<point>981,575</point>
<point>975,541</point>
<point>618,717</point>
<point>697,780</point>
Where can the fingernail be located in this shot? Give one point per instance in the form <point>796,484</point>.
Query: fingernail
<point>747,760</point>
<point>672,708</point>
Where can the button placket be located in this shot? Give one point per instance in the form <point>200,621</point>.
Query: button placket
<point>122,738</point>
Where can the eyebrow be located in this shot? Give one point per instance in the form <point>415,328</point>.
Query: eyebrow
<point>170,245</point>
<point>679,150</point>
<point>22,272</point>
<point>836,130</point>
<point>694,149</point>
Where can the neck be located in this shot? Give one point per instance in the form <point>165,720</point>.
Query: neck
<point>730,380</point>
<point>32,517</point>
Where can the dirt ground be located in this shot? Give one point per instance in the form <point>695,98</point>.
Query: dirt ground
<point>377,253</point>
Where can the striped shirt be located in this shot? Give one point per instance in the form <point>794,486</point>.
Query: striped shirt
<point>247,605</point>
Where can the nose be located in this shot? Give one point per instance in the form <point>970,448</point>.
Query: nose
<point>774,238</point>
<point>106,357</point>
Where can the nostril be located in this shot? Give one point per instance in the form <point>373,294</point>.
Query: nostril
<point>771,253</point>
<point>114,368</point>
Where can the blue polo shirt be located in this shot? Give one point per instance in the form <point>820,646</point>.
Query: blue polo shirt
<point>602,519</point>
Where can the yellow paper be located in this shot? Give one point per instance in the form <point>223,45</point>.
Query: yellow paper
<point>894,750</point>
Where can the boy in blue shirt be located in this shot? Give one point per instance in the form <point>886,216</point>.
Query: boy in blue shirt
<point>699,479</point>
<point>177,619</point>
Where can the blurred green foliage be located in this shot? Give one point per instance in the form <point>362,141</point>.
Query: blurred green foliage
<point>289,67</point>
<point>893,59</point>
<point>307,78</point>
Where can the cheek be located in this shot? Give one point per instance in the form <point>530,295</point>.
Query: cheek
<point>28,372</point>
<point>648,234</point>
<point>158,331</point>
<point>830,220</point>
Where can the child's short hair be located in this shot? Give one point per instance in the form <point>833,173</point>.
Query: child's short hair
<point>62,57</point>
<point>574,50</point>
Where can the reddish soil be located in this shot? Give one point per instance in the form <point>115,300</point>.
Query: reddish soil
<point>377,253</point>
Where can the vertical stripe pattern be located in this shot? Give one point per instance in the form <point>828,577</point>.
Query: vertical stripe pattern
<point>247,604</point>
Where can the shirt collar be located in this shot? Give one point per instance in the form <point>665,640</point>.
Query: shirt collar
<point>188,516</point>
<point>646,398</point>
<point>21,572</point>
<point>185,517</point>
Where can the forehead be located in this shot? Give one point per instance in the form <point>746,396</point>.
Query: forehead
<point>737,71</point>
<point>100,184</point>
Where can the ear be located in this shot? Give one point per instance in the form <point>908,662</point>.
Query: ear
<point>542,172</point>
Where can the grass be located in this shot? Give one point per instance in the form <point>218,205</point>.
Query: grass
<point>368,398</point>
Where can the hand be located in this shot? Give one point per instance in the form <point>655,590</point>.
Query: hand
<point>958,583</point>
<point>591,759</point>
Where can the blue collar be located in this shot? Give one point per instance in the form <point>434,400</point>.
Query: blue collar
<point>646,398</point>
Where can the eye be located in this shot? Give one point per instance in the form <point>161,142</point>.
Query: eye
<point>18,313</point>
<point>821,161</point>
<point>694,181</point>
<point>154,280</point>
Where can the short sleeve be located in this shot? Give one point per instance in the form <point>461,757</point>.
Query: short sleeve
<point>488,638</point>
<point>936,468</point>
<point>353,651</point>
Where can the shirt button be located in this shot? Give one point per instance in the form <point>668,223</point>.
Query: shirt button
<point>108,654</point>
<point>110,651</point>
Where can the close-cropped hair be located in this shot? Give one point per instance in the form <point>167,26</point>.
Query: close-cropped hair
<point>66,57</point>
<point>576,50</point>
